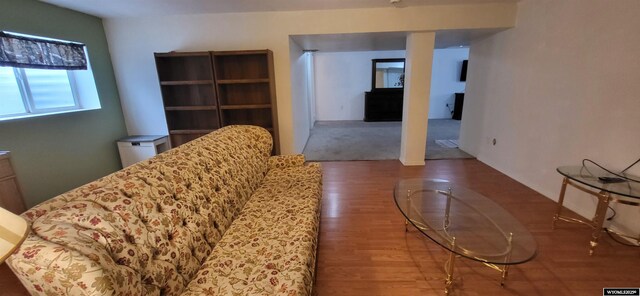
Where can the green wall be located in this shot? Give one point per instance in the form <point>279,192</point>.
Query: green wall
<point>53,154</point>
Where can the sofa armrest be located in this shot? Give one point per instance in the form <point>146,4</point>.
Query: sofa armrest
<point>47,268</point>
<point>285,161</point>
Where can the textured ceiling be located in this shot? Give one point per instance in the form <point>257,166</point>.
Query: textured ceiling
<point>328,43</point>
<point>138,8</point>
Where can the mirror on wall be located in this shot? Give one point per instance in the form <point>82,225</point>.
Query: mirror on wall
<point>387,74</point>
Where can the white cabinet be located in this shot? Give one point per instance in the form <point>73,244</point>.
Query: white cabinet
<point>138,148</point>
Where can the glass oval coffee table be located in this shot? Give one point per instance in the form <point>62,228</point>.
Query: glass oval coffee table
<point>464,223</point>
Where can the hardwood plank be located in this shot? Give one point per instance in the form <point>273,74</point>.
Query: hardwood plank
<point>364,250</point>
<point>9,283</point>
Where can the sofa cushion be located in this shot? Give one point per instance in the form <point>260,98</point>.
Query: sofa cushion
<point>270,248</point>
<point>285,161</point>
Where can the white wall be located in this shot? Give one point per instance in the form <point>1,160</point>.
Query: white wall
<point>341,80</point>
<point>299,96</point>
<point>311,87</point>
<point>132,42</point>
<point>445,80</point>
<point>559,87</point>
<point>343,77</point>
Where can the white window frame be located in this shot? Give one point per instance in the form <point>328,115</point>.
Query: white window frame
<point>29,103</point>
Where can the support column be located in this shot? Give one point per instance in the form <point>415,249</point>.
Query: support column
<point>417,86</point>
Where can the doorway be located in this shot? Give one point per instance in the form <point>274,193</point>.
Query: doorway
<point>337,107</point>
<point>343,130</point>
<point>448,82</point>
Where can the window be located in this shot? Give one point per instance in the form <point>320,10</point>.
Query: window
<point>40,76</point>
<point>26,91</point>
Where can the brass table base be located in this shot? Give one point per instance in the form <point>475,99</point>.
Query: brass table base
<point>604,198</point>
<point>449,264</point>
<point>445,236</point>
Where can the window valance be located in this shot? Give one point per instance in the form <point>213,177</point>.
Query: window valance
<point>23,51</point>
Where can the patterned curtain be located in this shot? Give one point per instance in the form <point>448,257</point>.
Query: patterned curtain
<point>23,51</point>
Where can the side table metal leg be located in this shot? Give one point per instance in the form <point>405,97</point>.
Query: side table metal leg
<point>505,268</point>
<point>598,219</point>
<point>449,268</point>
<point>563,189</point>
<point>406,221</point>
<point>505,273</point>
<point>447,210</point>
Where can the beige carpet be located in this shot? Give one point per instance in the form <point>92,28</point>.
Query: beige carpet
<point>447,143</point>
<point>358,140</point>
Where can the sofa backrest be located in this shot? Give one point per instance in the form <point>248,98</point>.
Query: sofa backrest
<point>147,228</point>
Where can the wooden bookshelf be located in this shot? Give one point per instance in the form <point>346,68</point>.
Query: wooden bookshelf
<point>189,132</point>
<point>243,81</point>
<point>203,91</point>
<point>189,108</point>
<point>245,86</point>
<point>189,94</point>
<point>186,82</point>
<point>248,106</point>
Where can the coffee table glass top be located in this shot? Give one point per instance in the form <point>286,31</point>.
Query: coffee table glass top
<point>464,222</point>
<point>596,177</point>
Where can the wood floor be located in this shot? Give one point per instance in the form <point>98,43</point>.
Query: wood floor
<point>364,249</point>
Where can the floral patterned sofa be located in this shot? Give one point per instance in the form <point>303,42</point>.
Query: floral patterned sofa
<point>215,216</point>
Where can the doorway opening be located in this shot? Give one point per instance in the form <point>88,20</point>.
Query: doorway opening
<point>330,74</point>
<point>351,122</point>
<point>446,103</point>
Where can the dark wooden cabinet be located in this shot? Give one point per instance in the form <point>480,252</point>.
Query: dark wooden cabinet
<point>385,105</point>
<point>10,193</point>
<point>384,101</point>
<point>457,106</point>
<point>203,91</point>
